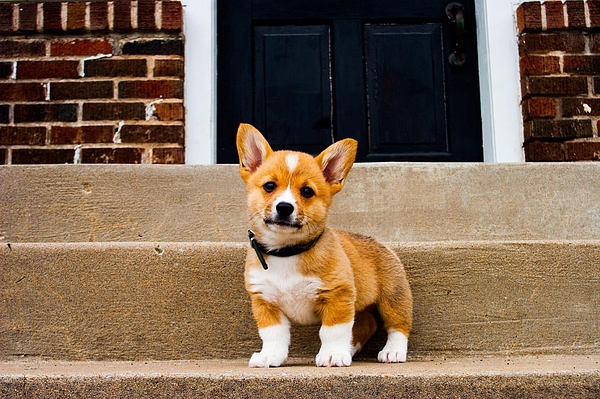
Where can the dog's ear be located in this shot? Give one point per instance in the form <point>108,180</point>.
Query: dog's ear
<point>336,161</point>
<point>252,148</point>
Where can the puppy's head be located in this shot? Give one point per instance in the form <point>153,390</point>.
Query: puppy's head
<point>289,193</point>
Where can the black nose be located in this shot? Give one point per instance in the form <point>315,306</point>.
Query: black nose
<point>284,209</point>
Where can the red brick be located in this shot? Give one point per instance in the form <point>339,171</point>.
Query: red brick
<point>5,70</point>
<point>146,15</point>
<point>22,92</point>
<point>594,11</point>
<point>116,67</point>
<point>151,89</point>
<point>582,150</point>
<point>596,85</point>
<point>98,16</point>
<point>555,17</point>
<point>576,14</point>
<point>81,90</point>
<point>595,42</point>
<point>80,47</point>
<point>114,111</point>
<point>558,129</point>
<point>539,64</point>
<point>52,17</point>
<point>47,69</point>
<point>42,156</point>
<point>169,68</point>
<point>75,16</point>
<point>172,16</point>
<point>45,112</point>
<point>581,64</point>
<point>122,15</point>
<point>112,155</point>
<point>27,17</point>
<point>539,151</point>
<point>554,86</point>
<point>3,156</point>
<point>17,48</point>
<point>6,17</point>
<point>539,108</point>
<point>152,134</point>
<point>529,16</point>
<point>580,106</point>
<point>154,47</point>
<point>570,42</point>
<point>81,134</point>
<point>4,113</point>
<point>169,111</point>
<point>20,135</point>
<point>168,155</point>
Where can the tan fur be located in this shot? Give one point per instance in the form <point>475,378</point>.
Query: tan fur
<point>357,274</point>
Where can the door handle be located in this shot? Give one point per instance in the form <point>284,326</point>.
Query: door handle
<point>456,14</point>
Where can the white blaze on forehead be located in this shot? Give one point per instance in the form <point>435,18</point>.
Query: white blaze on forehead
<point>292,162</point>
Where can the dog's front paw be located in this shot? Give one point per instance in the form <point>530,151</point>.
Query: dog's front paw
<point>392,356</point>
<point>263,360</point>
<point>325,359</point>
<point>395,349</point>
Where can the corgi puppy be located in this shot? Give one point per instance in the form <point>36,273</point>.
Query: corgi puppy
<point>300,271</point>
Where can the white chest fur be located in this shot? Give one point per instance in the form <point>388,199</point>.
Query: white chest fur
<point>284,286</point>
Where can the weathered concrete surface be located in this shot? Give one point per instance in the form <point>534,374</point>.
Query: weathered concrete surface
<point>392,202</point>
<point>138,301</point>
<point>500,377</point>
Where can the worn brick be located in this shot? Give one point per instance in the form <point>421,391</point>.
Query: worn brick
<point>22,135</point>
<point>18,48</point>
<point>152,134</point>
<point>6,17</point>
<point>169,68</point>
<point>594,12</point>
<point>168,156</point>
<point>122,15</point>
<point>112,155</point>
<point>4,113</point>
<point>582,150</point>
<point>539,64</point>
<point>52,17</point>
<point>146,15</point>
<point>47,69</point>
<point>82,134</point>
<point>168,111</point>
<point>42,156</point>
<point>45,113</point>
<point>81,90</point>
<point>539,108</point>
<point>558,129</point>
<point>554,85</point>
<point>580,106</point>
<point>151,89</point>
<point>98,16</point>
<point>115,67</point>
<point>539,151</point>
<point>529,16</point>
<point>5,70</point>
<point>172,16</point>
<point>22,92</point>
<point>27,17</point>
<point>581,64</point>
<point>75,16</point>
<point>576,14</point>
<point>597,85</point>
<point>570,42</point>
<point>555,17</point>
<point>154,47</point>
<point>80,47</point>
<point>114,111</point>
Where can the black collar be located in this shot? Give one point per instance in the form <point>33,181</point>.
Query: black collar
<point>280,252</point>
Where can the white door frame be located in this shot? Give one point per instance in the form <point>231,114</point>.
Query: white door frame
<point>498,74</point>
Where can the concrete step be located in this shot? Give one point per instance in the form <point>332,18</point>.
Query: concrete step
<point>174,301</point>
<point>498,377</point>
<point>404,202</point>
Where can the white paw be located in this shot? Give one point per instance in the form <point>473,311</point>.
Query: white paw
<point>333,359</point>
<point>395,348</point>
<point>261,360</point>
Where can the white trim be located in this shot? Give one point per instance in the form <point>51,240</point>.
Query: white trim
<point>498,72</point>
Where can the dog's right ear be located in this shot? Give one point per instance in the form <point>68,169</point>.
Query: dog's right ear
<point>252,148</point>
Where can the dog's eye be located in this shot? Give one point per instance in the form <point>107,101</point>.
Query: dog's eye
<point>307,192</point>
<point>269,186</point>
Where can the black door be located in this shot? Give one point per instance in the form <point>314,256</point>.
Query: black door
<point>399,76</point>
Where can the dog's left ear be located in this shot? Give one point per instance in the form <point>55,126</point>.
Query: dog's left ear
<point>252,148</point>
<point>336,161</point>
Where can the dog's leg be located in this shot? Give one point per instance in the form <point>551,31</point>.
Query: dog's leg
<point>363,329</point>
<point>396,312</point>
<point>274,330</point>
<point>337,317</point>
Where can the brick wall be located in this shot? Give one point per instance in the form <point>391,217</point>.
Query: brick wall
<point>91,82</point>
<point>559,48</point>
